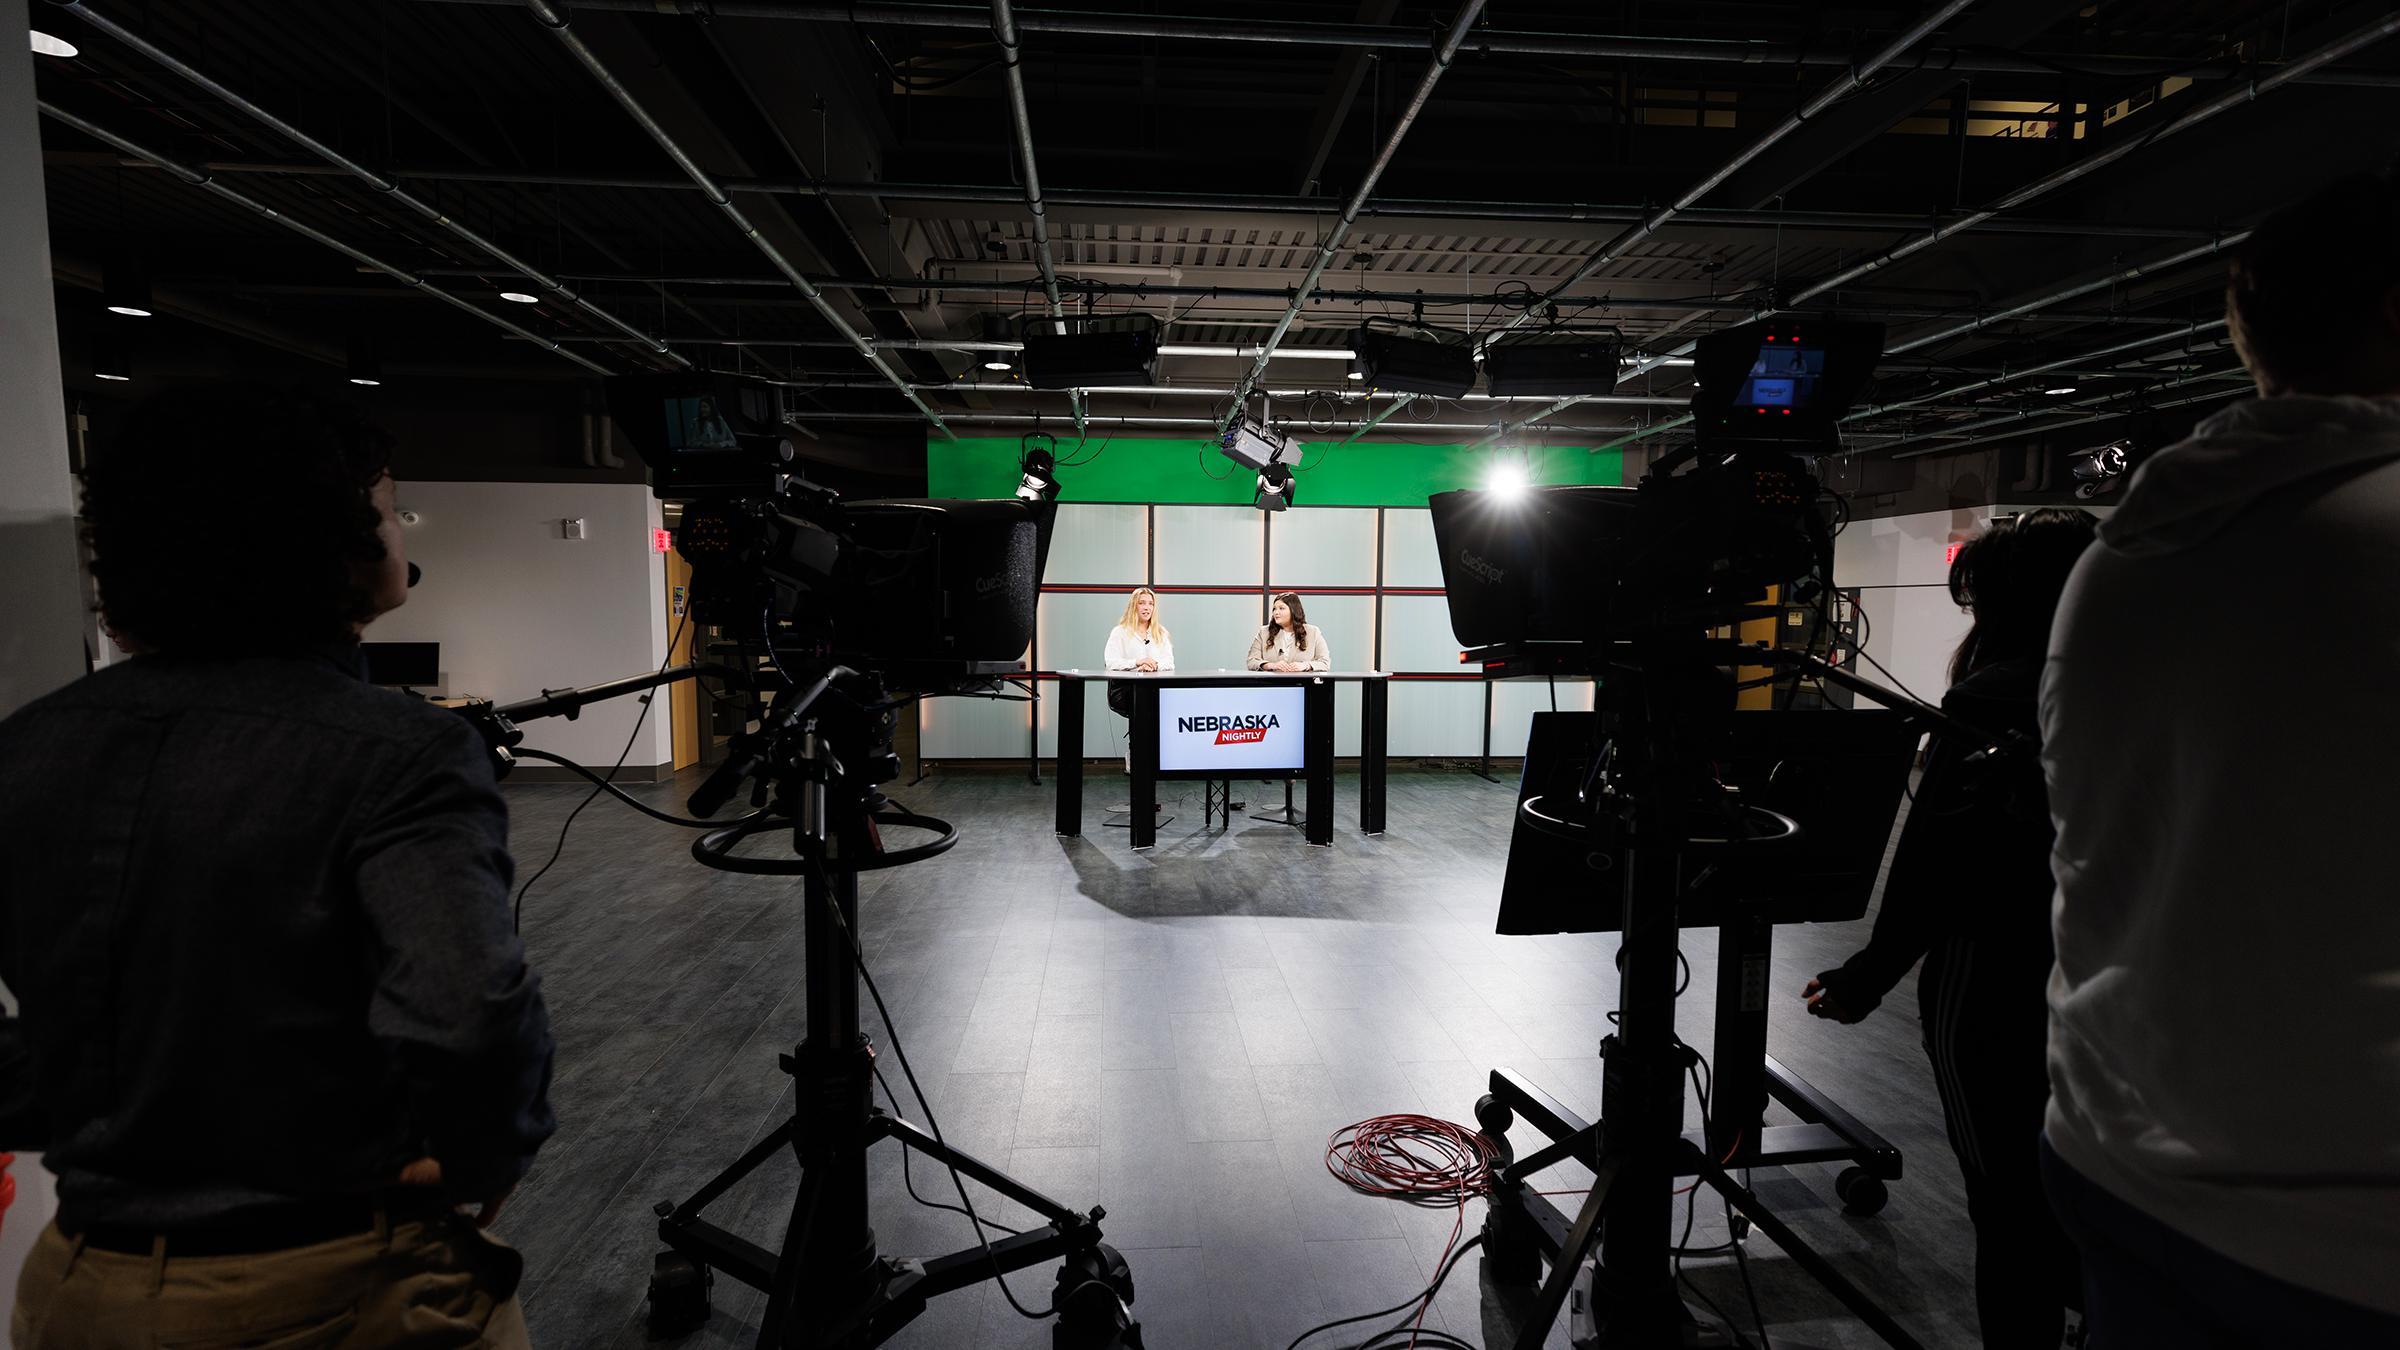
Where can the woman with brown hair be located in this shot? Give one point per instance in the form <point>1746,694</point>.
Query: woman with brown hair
<point>1288,642</point>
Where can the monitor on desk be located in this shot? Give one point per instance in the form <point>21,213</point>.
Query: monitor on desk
<point>1232,730</point>
<point>407,664</point>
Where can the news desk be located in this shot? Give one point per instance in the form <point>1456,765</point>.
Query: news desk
<point>1229,724</point>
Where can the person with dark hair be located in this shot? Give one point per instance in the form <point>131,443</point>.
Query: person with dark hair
<point>274,1030</point>
<point>2223,1137</point>
<point>1288,642</point>
<point>1969,895</point>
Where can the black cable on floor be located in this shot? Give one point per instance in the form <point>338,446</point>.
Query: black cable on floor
<point>516,912</point>
<point>910,1181</point>
<point>858,954</point>
<point>1407,1308</point>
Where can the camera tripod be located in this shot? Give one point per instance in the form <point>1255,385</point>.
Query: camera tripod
<point>813,768</point>
<point>1665,714</point>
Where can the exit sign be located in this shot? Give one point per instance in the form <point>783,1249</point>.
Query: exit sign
<point>1949,555</point>
<point>663,541</point>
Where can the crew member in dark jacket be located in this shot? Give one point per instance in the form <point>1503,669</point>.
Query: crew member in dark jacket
<point>1969,893</point>
<point>276,1037</point>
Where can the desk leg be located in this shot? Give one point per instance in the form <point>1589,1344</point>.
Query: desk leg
<point>1142,733</point>
<point>1070,757</point>
<point>1374,707</point>
<point>1318,758</point>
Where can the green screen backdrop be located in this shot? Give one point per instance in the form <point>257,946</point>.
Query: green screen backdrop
<point>1123,469</point>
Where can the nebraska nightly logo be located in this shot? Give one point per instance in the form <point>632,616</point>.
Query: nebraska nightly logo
<point>1243,729</point>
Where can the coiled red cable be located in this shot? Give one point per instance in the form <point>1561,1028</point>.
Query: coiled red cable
<point>1421,1160</point>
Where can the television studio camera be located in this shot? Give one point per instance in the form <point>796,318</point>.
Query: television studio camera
<point>841,612</point>
<point>1666,808</point>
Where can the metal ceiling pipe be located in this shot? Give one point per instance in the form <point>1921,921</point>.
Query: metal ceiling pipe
<point>1443,52</point>
<point>549,18</point>
<point>2028,372</point>
<point>1004,30</point>
<point>2209,397</point>
<point>1817,103</point>
<point>2358,39</point>
<point>1394,37</point>
<point>2049,298</point>
<point>1202,391</point>
<point>200,180</point>
<point>1955,430</point>
<point>1394,207</point>
<point>193,76</point>
<point>968,417</point>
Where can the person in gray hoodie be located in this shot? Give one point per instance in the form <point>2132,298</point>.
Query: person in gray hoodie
<point>2219,725</point>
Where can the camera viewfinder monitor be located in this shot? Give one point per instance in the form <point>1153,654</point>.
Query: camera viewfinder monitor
<point>1781,383</point>
<point>703,435</point>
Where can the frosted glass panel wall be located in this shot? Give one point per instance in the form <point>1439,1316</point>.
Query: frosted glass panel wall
<point>1103,731</point>
<point>1322,546</point>
<point>1348,622</point>
<point>1417,636</point>
<point>970,728</point>
<point>1437,717</point>
<point>1212,632</point>
<point>1099,545</point>
<point>1514,702</point>
<point>1210,545</point>
<point>1409,558</point>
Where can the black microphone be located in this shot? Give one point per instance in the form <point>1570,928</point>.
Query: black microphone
<point>415,575</point>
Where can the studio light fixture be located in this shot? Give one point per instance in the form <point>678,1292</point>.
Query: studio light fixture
<point>2060,390</point>
<point>998,361</point>
<point>1095,350</point>
<point>521,297</point>
<point>1585,365</point>
<point>111,361</point>
<point>46,45</point>
<point>1276,490</point>
<point>1252,442</point>
<point>995,329</point>
<point>125,287</point>
<point>1414,364</point>
<point>365,364</point>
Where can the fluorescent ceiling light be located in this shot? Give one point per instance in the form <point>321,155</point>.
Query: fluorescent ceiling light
<point>521,297</point>
<point>129,311</point>
<point>104,375</point>
<point>46,45</point>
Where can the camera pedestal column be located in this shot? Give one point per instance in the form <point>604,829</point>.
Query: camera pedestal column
<point>828,1287</point>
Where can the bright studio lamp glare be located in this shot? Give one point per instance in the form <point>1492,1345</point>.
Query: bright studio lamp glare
<point>1508,480</point>
<point>46,45</point>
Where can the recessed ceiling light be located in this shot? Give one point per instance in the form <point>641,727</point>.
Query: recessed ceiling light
<point>104,375</point>
<point>521,297</point>
<point>371,384</point>
<point>998,363</point>
<point>129,311</point>
<point>2062,389</point>
<point>46,45</point>
<point>1355,375</point>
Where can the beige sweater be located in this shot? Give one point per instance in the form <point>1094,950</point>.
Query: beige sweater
<point>1275,644</point>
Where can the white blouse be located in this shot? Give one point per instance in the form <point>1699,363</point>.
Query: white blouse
<point>1125,649</point>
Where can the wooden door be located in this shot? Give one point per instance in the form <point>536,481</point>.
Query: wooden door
<point>683,696</point>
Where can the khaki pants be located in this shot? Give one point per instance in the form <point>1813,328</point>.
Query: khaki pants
<point>415,1283</point>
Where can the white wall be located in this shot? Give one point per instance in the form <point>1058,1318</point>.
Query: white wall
<point>42,623</point>
<point>517,608</point>
<point>1901,565</point>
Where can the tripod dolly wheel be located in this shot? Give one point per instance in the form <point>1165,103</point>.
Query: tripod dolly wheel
<point>1094,1290</point>
<point>1861,1191</point>
<point>678,1294</point>
<point>1493,1115</point>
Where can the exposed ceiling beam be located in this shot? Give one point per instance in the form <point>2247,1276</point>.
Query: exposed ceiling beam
<point>1339,96</point>
<point>1399,38</point>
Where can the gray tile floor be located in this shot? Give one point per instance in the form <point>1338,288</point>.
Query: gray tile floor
<point>1171,1035</point>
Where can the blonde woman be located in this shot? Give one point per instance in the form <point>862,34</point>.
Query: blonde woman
<point>1139,641</point>
<point>1288,642</point>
